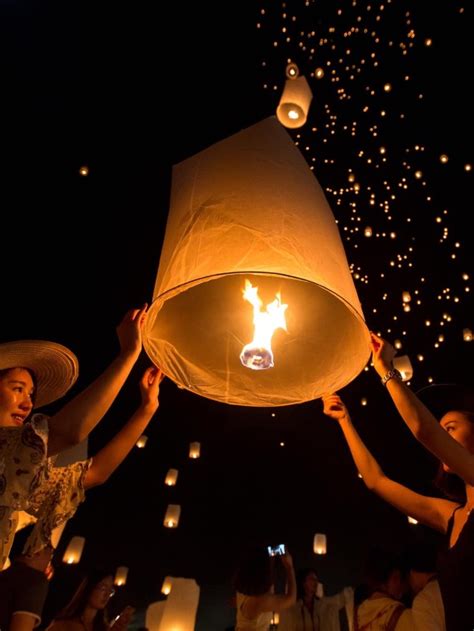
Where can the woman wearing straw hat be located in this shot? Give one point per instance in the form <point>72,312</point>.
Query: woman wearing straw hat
<point>452,441</point>
<point>54,500</point>
<point>35,373</point>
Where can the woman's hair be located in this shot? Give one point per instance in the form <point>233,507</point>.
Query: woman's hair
<point>4,372</point>
<point>254,576</point>
<point>76,606</point>
<point>450,484</point>
<point>301,577</point>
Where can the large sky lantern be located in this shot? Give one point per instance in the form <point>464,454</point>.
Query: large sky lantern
<point>248,218</point>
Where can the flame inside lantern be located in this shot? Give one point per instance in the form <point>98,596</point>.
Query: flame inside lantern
<point>258,354</point>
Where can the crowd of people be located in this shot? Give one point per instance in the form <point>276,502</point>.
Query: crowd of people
<point>35,373</point>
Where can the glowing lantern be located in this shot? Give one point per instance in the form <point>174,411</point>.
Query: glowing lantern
<point>368,231</point>
<point>292,111</point>
<point>467,335</point>
<point>403,364</point>
<point>275,618</point>
<point>171,477</point>
<point>172,516</point>
<point>121,575</point>
<point>74,550</point>
<point>239,214</point>
<point>406,297</point>
<point>154,614</point>
<point>167,585</point>
<point>412,520</point>
<point>141,442</point>
<point>180,608</point>
<point>194,450</point>
<point>319,544</point>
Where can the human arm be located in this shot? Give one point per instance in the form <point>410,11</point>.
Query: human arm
<point>77,418</point>
<point>113,454</point>
<point>256,605</point>
<point>421,422</point>
<point>431,511</point>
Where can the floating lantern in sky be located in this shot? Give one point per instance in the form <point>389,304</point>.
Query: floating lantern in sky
<point>172,516</point>
<point>319,544</point>
<point>167,585</point>
<point>467,335</point>
<point>292,110</point>
<point>74,550</point>
<point>194,450</point>
<point>179,609</point>
<point>404,365</point>
<point>239,214</point>
<point>121,576</point>
<point>171,477</point>
<point>141,442</point>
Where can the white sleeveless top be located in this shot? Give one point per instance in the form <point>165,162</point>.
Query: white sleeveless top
<point>260,623</point>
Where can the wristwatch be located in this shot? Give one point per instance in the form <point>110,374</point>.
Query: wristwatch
<point>390,375</point>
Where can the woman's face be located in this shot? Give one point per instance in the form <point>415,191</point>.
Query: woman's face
<point>102,592</point>
<point>461,428</point>
<point>16,397</point>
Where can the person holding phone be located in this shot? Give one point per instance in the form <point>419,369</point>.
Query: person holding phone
<point>254,584</point>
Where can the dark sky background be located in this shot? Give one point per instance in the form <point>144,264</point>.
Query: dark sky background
<point>130,90</point>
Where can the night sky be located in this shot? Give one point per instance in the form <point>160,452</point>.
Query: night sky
<point>102,88</point>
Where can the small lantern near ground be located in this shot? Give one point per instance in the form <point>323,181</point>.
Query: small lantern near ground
<point>172,516</point>
<point>121,576</point>
<point>319,544</point>
<point>74,550</point>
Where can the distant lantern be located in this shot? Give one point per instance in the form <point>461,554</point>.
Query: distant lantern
<point>412,520</point>
<point>292,111</point>
<point>467,335</point>
<point>403,364</point>
<point>84,171</point>
<point>171,477</point>
<point>319,544</point>
<point>238,214</point>
<point>74,550</point>
<point>292,71</point>
<point>443,158</point>
<point>194,450</point>
<point>167,585</point>
<point>141,442</point>
<point>319,73</point>
<point>121,576</point>
<point>397,344</point>
<point>172,516</point>
<point>367,231</point>
<point>406,297</point>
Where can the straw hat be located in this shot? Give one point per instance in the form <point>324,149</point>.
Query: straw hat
<point>55,367</point>
<point>443,397</point>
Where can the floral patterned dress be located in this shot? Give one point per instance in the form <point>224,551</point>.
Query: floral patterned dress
<point>30,482</point>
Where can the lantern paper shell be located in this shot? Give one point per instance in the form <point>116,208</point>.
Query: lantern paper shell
<point>292,110</point>
<point>194,450</point>
<point>319,544</point>
<point>167,585</point>
<point>249,207</point>
<point>179,611</point>
<point>172,516</point>
<point>403,364</point>
<point>121,575</point>
<point>74,550</point>
<point>171,477</point>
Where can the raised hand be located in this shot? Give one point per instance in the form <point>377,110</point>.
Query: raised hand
<point>382,354</point>
<point>334,407</point>
<point>129,331</point>
<point>150,388</point>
